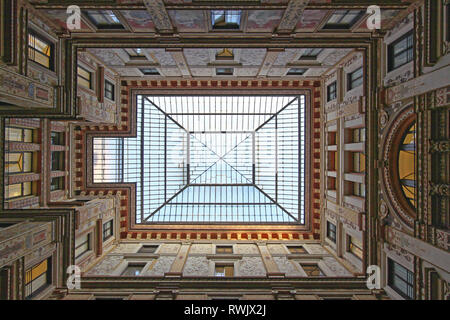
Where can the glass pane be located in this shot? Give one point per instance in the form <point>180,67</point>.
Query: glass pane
<point>28,135</point>
<point>13,190</point>
<point>13,134</point>
<point>42,47</point>
<point>26,188</point>
<point>84,73</point>
<point>41,59</point>
<point>27,161</point>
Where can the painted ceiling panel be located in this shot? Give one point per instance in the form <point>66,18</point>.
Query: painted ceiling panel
<point>139,20</point>
<point>246,72</point>
<point>162,57</point>
<point>171,72</point>
<point>310,20</point>
<point>287,56</point>
<point>188,20</point>
<point>60,17</point>
<point>251,57</point>
<point>108,56</point>
<point>263,20</point>
<point>202,72</point>
<point>197,57</point>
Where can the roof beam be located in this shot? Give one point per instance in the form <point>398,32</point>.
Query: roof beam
<point>159,15</point>
<point>292,15</point>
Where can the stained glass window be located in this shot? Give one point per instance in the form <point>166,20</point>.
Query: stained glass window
<point>407,165</point>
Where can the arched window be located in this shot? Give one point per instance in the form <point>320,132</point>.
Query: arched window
<point>407,164</point>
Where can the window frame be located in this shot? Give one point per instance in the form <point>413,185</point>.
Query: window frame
<point>103,26</point>
<point>59,185</point>
<point>351,81</point>
<point>90,80</point>
<point>391,274</point>
<point>29,276</point>
<point>110,94</point>
<point>354,248</point>
<point>60,161</point>
<point>229,26</point>
<point>224,249</point>
<point>331,234</point>
<point>408,50</point>
<point>22,156</point>
<point>109,227</point>
<point>295,72</point>
<point>225,266</point>
<point>22,188</point>
<point>46,41</point>
<point>332,94</point>
<point>89,245</point>
<point>306,55</point>
<point>341,26</point>
<point>141,265</point>
<point>316,265</point>
<point>23,135</point>
<point>60,137</point>
<point>142,250</point>
<point>145,72</point>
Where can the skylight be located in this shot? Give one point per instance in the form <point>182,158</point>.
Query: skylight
<point>211,159</point>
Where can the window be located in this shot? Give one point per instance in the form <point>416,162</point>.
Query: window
<point>38,278</point>
<point>18,134</point>
<point>108,230</point>
<point>224,71</point>
<point>57,184</point>
<point>133,269</point>
<point>400,279</point>
<point>18,190</point>
<point>310,54</point>
<point>109,90</point>
<point>197,163</point>
<point>401,51</point>
<point>84,78</point>
<point>296,249</point>
<point>40,50</point>
<point>355,246</point>
<point>224,249</point>
<point>135,53</point>
<point>331,231</point>
<point>148,249</point>
<point>332,91</point>
<point>57,160</point>
<point>224,270</point>
<point>149,71</point>
<point>104,19</point>
<point>82,245</point>
<point>407,165</point>
<point>312,270</point>
<point>359,189</point>
<point>359,135</point>
<point>355,79</point>
<point>226,19</point>
<point>296,71</point>
<point>343,19</point>
<point>57,138</point>
<point>18,162</point>
<point>359,162</point>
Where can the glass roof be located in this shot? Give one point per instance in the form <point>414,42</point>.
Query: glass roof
<point>211,159</point>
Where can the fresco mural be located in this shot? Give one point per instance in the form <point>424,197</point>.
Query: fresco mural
<point>139,20</point>
<point>263,20</point>
<point>188,20</point>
